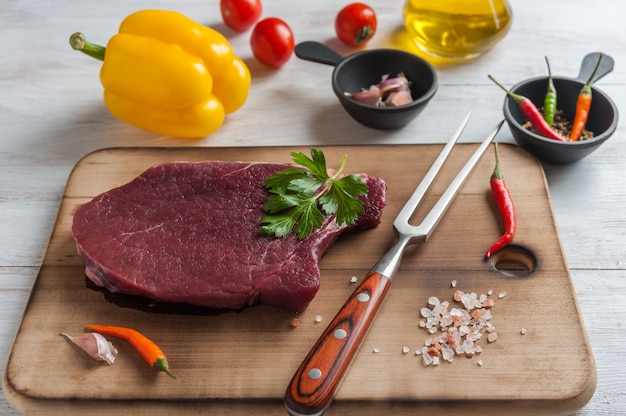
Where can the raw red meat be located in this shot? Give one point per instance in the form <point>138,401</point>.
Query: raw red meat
<point>188,232</point>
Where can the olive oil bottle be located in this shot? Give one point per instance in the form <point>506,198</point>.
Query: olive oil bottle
<point>457,29</point>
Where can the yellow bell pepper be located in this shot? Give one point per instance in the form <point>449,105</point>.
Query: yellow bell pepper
<point>165,73</point>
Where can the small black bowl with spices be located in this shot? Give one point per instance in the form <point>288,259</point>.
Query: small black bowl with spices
<point>364,69</point>
<point>601,124</point>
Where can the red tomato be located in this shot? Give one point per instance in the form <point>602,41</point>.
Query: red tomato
<point>240,14</point>
<point>272,42</point>
<point>355,24</point>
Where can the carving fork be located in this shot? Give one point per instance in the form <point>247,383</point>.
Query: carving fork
<point>313,386</point>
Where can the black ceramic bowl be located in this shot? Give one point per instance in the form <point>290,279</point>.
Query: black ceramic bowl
<point>603,115</point>
<point>362,69</point>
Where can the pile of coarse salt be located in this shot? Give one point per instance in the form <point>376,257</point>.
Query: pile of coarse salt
<point>455,331</point>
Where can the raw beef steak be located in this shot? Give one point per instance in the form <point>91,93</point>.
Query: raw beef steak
<point>188,232</point>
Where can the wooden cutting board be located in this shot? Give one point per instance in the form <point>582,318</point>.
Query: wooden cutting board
<point>240,362</point>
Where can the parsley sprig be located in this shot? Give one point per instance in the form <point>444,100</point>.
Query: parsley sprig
<point>299,198</point>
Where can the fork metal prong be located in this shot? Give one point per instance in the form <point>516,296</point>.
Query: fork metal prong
<point>408,234</point>
<point>430,221</point>
<point>441,206</point>
<point>418,194</point>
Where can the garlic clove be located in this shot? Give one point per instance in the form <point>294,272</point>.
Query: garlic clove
<point>389,92</point>
<point>369,96</point>
<point>95,345</point>
<point>398,98</point>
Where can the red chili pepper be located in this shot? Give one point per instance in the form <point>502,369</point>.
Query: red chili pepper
<point>148,350</point>
<point>503,199</point>
<point>583,104</point>
<point>532,114</point>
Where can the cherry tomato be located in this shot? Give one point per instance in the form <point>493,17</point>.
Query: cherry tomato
<point>355,24</point>
<point>272,42</point>
<point>240,14</point>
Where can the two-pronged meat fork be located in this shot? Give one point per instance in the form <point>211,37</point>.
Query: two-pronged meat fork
<point>313,386</point>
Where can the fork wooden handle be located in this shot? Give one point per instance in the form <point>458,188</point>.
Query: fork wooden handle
<point>313,386</point>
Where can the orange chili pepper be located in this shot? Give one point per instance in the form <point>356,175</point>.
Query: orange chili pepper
<point>583,104</point>
<point>148,350</point>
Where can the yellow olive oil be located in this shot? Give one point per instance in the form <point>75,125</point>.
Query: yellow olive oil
<point>457,29</point>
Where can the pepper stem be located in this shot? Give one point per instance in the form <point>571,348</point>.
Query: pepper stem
<point>587,86</point>
<point>516,97</point>
<point>161,365</point>
<point>497,174</point>
<point>79,43</point>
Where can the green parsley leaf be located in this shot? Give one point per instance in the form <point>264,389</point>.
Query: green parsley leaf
<point>281,181</point>
<point>316,164</point>
<point>348,207</point>
<point>299,198</point>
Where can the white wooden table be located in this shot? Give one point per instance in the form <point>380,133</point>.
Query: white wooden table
<point>51,114</point>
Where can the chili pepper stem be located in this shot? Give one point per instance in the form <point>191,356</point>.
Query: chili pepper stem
<point>515,97</point>
<point>497,174</point>
<point>79,43</point>
<point>162,365</point>
<point>593,74</point>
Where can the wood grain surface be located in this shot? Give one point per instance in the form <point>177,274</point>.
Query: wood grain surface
<point>52,115</point>
<point>237,362</point>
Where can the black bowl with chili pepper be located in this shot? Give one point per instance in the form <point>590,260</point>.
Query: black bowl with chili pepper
<point>601,124</point>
